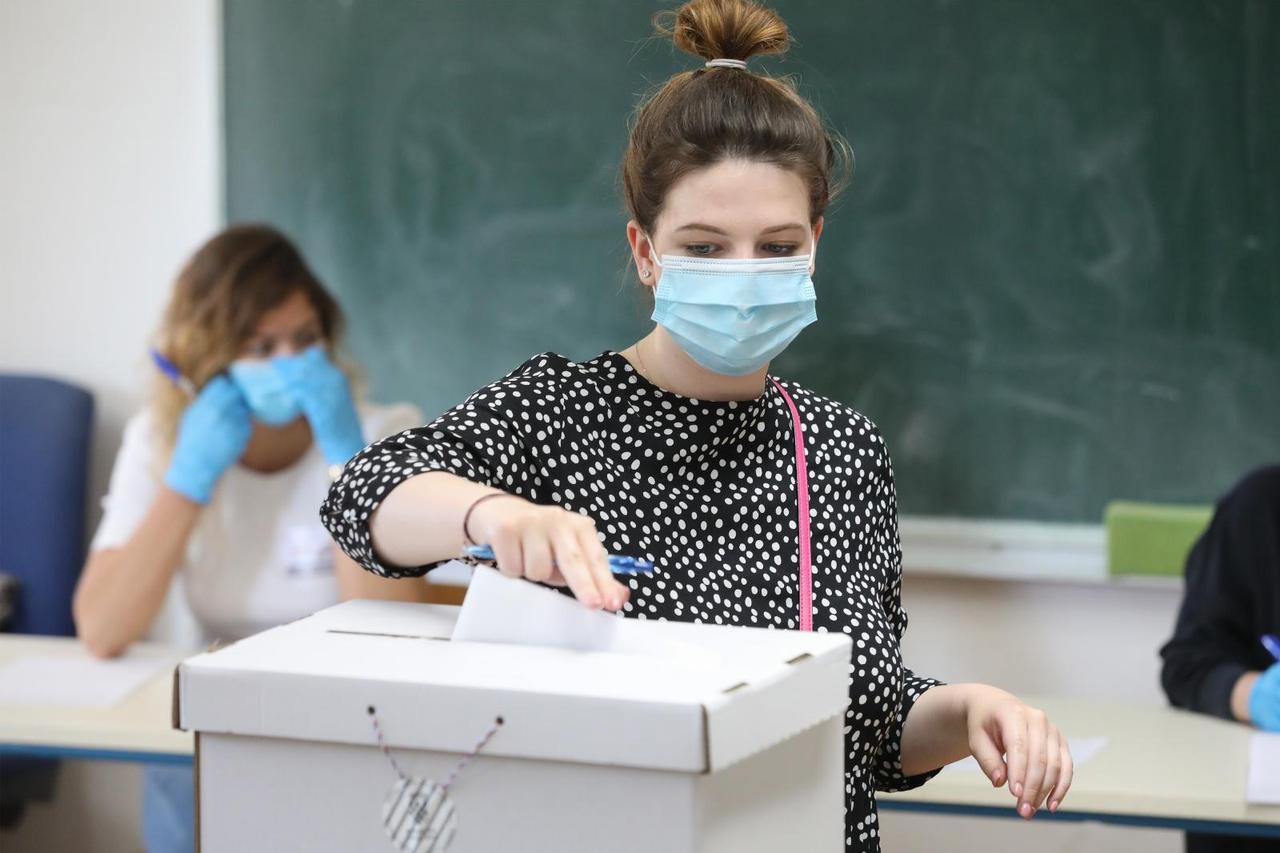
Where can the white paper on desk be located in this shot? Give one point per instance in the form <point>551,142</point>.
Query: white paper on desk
<point>1264,769</point>
<point>499,609</point>
<point>75,682</point>
<point>1082,749</point>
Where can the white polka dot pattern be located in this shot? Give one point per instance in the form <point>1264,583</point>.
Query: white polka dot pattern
<point>705,490</point>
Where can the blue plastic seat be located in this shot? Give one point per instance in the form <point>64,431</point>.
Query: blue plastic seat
<point>46,427</point>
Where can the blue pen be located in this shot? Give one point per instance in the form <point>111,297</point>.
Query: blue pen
<point>169,369</point>
<point>1272,644</point>
<point>617,564</point>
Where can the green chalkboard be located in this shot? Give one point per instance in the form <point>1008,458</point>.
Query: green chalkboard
<point>1055,280</point>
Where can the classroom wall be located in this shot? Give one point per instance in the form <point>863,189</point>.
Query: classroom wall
<point>109,156</point>
<point>110,163</point>
<point>110,169</point>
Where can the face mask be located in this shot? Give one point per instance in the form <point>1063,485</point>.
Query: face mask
<point>265,391</point>
<point>734,316</point>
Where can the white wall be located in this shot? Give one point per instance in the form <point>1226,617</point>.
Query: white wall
<point>1086,640</point>
<point>109,176</point>
<point>110,168</point>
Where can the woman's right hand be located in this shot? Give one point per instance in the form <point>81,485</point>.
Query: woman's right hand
<point>212,435</point>
<point>549,545</point>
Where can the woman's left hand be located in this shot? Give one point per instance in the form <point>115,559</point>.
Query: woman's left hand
<point>325,396</point>
<point>1016,743</point>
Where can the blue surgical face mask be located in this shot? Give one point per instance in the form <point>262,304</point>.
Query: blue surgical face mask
<point>734,316</point>
<point>264,389</point>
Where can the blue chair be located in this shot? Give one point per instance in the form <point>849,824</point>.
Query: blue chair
<point>45,430</point>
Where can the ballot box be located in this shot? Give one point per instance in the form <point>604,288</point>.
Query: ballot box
<point>356,729</point>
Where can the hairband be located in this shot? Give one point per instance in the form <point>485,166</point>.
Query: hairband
<point>740,64</point>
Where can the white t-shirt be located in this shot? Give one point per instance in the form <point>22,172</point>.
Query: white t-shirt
<point>258,556</point>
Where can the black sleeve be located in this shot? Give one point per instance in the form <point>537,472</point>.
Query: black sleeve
<point>488,439</point>
<point>888,770</point>
<point>1231,598</point>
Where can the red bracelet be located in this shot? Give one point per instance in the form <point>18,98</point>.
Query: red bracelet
<point>466,534</point>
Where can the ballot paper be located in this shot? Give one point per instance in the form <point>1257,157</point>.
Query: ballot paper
<point>1082,749</point>
<point>499,609</point>
<point>1264,769</point>
<point>514,611</point>
<point>76,682</point>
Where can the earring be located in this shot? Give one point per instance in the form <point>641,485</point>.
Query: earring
<point>644,273</point>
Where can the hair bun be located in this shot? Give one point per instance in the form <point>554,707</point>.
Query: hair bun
<point>724,29</point>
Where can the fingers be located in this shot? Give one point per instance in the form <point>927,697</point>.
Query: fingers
<point>1037,761</point>
<point>1053,764</point>
<point>536,551</point>
<point>613,593</point>
<point>1066,772</point>
<point>508,551</point>
<point>573,566</point>
<point>1013,735</point>
<point>303,371</point>
<point>219,404</point>
<point>219,385</point>
<point>556,547</point>
<point>988,756</point>
<point>222,392</point>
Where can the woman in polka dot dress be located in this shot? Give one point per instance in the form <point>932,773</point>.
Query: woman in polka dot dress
<point>681,448</point>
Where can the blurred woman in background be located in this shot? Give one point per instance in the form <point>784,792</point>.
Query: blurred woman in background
<point>219,478</point>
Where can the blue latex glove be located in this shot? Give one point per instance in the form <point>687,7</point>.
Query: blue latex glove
<point>212,435</point>
<point>1264,700</point>
<point>325,396</point>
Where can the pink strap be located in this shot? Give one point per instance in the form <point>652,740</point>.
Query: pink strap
<point>802,494</point>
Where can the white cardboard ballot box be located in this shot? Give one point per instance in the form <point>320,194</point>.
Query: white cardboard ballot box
<point>691,738</point>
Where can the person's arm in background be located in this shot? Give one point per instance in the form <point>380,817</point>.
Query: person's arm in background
<point>355,582</point>
<point>1214,663</point>
<point>124,583</point>
<point>1240,693</point>
<point>122,589</point>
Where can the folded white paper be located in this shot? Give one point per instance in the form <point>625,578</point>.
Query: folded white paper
<point>1264,769</point>
<point>499,609</point>
<point>75,682</point>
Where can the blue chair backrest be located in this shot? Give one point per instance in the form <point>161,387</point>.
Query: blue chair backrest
<point>45,433</point>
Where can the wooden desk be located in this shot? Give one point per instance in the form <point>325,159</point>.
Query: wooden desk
<point>1161,767</point>
<point>139,728</point>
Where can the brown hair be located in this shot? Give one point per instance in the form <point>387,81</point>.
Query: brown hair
<point>701,117</point>
<point>218,299</point>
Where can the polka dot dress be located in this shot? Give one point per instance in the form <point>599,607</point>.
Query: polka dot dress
<point>706,490</point>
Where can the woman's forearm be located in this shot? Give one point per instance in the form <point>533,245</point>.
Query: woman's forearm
<point>420,520</point>
<point>935,733</point>
<point>122,589</point>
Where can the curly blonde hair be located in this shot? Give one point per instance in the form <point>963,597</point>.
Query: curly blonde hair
<point>218,299</point>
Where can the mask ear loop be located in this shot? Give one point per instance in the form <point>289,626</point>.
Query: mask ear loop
<point>653,252</point>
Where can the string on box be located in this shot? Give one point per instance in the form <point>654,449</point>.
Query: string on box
<point>418,814</point>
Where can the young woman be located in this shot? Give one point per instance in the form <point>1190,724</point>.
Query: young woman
<point>219,478</point>
<point>681,448</point>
